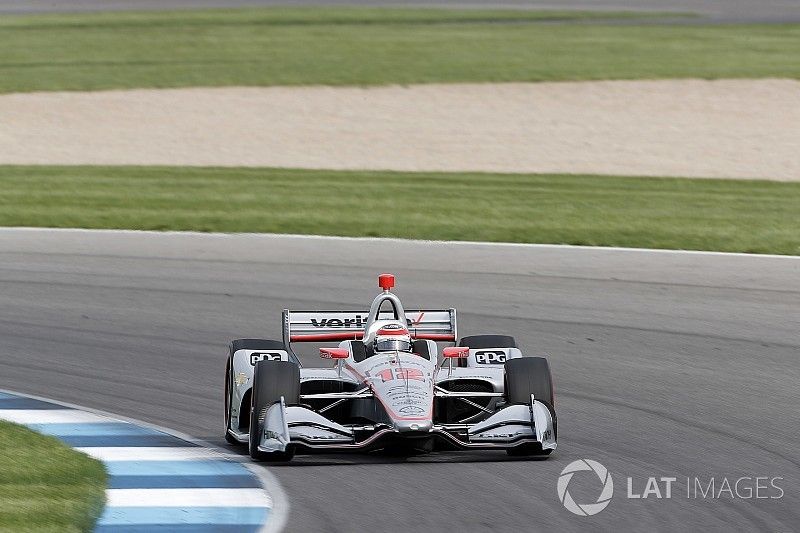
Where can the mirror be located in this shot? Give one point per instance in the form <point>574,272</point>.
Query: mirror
<point>459,352</point>
<point>334,353</point>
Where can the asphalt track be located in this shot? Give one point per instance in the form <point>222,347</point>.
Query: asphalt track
<point>666,364</point>
<point>734,11</point>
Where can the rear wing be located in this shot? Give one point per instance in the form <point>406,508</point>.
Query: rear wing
<point>326,326</point>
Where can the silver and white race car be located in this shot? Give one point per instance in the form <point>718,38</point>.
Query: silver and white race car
<point>387,388</point>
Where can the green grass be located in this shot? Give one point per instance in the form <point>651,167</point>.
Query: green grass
<point>725,215</point>
<point>290,46</point>
<point>45,486</point>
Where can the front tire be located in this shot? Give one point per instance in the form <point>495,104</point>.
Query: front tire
<point>233,347</point>
<point>271,380</point>
<point>526,376</point>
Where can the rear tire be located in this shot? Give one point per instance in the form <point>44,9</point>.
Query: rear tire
<point>488,341</point>
<point>271,380</point>
<point>258,344</point>
<point>526,376</point>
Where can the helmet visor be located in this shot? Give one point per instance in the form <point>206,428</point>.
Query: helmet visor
<point>392,345</point>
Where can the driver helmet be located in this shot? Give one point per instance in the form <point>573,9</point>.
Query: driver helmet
<point>392,337</point>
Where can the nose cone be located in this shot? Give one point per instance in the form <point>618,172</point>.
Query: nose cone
<point>404,426</point>
<point>403,384</point>
<point>408,402</point>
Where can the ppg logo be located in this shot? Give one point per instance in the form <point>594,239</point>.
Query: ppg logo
<point>255,357</point>
<point>490,357</point>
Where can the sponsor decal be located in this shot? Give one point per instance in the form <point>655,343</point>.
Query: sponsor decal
<point>255,357</point>
<point>359,321</point>
<point>319,436</point>
<point>393,329</point>
<point>406,374</point>
<point>504,436</point>
<point>241,379</point>
<point>412,410</point>
<point>490,357</point>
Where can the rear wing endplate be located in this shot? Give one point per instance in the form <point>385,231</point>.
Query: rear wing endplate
<point>327,326</point>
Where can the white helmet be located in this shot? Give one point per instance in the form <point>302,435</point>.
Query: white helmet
<point>391,336</point>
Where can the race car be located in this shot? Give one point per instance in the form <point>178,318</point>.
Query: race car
<point>386,387</point>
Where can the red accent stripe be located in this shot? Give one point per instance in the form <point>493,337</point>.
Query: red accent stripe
<point>392,332</point>
<point>323,337</point>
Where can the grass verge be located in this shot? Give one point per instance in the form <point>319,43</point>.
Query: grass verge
<point>45,486</point>
<point>357,46</point>
<point>724,215</point>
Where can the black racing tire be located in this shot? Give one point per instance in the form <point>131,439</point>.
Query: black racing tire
<point>488,341</point>
<point>526,376</point>
<point>527,450</point>
<point>256,344</point>
<point>271,380</point>
<point>262,344</point>
<point>233,347</point>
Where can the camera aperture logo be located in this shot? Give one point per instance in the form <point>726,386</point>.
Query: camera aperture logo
<point>585,509</point>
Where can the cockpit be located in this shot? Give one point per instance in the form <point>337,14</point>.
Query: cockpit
<point>385,327</point>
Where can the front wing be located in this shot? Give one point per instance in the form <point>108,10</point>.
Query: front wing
<point>509,427</point>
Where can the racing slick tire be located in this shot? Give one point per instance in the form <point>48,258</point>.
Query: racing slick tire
<point>233,347</point>
<point>488,341</point>
<point>526,376</point>
<point>271,380</point>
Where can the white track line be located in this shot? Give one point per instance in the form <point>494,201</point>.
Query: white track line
<point>187,498</point>
<point>146,453</point>
<point>395,240</point>
<point>51,416</point>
